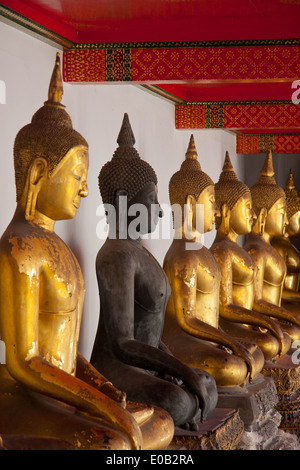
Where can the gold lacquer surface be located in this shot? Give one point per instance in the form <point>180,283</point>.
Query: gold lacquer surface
<point>284,244</point>
<point>238,315</point>
<point>191,328</point>
<point>271,211</point>
<point>48,390</point>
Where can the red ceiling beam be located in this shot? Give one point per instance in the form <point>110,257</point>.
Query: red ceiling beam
<point>276,116</point>
<point>183,62</point>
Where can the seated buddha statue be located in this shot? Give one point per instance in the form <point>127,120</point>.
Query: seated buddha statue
<point>134,290</point>
<point>238,315</point>
<point>283,243</point>
<point>48,391</point>
<point>191,329</point>
<point>269,204</point>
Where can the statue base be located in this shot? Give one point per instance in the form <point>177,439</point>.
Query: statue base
<point>256,404</point>
<point>222,430</point>
<point>286,376</point>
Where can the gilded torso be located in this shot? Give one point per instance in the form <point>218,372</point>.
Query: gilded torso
<point>271,268</point>
<point>291,257</point>
<point>57,289</point>
<point>194,274</point>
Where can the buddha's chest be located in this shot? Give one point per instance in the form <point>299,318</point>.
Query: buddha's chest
<point>60,280</point>
<point>275,268</point>
<point>208,273</point>
<point>151,286</point>
<point>243,267</point>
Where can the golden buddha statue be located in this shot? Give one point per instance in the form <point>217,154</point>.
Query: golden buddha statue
<point>283,244</point>
<point>133,294</point>
<point>269,204</point>
<point>191,329</point>
<point>238,314</point>
<point>48,391</point>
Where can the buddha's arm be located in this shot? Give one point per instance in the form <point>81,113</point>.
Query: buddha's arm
<point>86,372</point>
<point>265,307</point>
<point>236,313</point>
<point>19,312</point>
<point>288,294</point>
<point>184,301</point>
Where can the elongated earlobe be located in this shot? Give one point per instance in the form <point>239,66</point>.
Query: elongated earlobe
<point>226,218</point>
<point>262,220</point>
<point>36,175</point>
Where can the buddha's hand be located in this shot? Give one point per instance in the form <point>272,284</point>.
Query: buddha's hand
<point>112,392</point>
<point>195,383</point>
<point>241,351</point>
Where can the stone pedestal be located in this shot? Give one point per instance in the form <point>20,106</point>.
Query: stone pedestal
<point>286,376</point>
<point>222,430</point>
<point>256,403</point>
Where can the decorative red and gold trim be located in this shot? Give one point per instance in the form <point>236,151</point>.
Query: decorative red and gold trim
<point>161,62</point>
<point>277,115</point>
<point>262,143</point>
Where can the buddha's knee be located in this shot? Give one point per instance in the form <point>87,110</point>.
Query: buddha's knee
<point>181,405</point>
<point>233,372</point>
<point>269,346</point>
<point>292,331</point>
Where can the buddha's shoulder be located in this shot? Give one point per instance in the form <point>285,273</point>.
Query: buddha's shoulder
<point>118,252</point>
<point>222,248</point>
<point>22,239</point>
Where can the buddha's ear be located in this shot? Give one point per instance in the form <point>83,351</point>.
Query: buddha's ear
<point>37,172</point>
<point>120,193</point>
<point>190,201</point>
<point>261,219</point>
<point>225,211</point>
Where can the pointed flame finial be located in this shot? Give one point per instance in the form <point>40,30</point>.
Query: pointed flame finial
<point>55,91</point>
<point>268,169</point>
<point>227,166</point>
<point>191,153</point>
<point>228,172</point>
<point>290,183</point>
<point>126,137</point>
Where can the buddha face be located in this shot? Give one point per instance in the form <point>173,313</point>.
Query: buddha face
<point>242,215</point>
<point>276,219</point>
<point>62,190</point>
<point>207,201</point>
<point>293,227</point>
<point>146,204</point>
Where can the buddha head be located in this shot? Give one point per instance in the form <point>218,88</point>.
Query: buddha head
<point>269,202</point>
<point>192,192</point>
<point>128,183</point>
<point>293,206</point>
<point>51,159</point>
<point>234,200</point>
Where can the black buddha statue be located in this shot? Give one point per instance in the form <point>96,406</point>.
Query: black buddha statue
<point>134,291</point>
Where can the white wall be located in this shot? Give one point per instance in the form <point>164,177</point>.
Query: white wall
<point>97,112</point>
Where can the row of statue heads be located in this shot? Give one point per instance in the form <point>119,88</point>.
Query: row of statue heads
<point>168,338</point>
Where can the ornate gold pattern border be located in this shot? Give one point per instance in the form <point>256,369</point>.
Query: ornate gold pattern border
<point>261,143</point>
<point>142,63</point>
<point>238,115</point>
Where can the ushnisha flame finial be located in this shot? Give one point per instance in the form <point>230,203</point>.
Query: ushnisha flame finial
<point>191,153</point>
<point>228,172</point>
<point>290,183</point>
<point>55,91</point>
<point>126,137</point>
<point>268,169</point>
<point>265,192</point>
